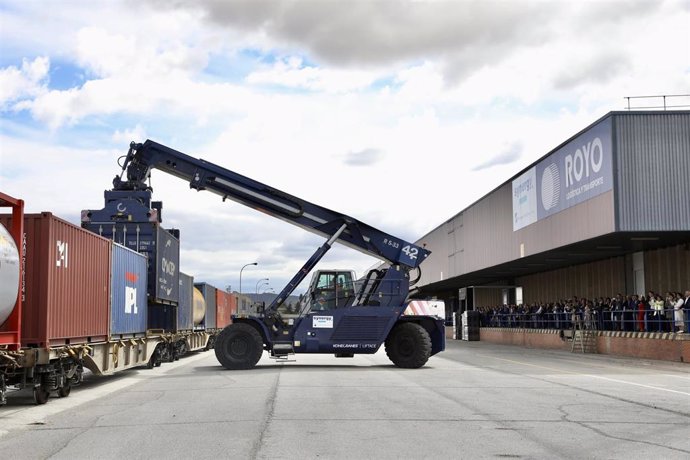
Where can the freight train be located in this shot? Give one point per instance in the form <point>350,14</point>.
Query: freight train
<point>71,299</point>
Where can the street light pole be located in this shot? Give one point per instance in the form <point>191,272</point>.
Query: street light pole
<point>253,263</point>
<point>259,282</point>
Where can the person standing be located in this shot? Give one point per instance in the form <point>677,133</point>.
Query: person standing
<point>616,312</point>
<point>587,314</point>
<point>669,304</point>
<point>658,307</point>
<point>628,314</point>
<point>641,311</point>
<point>679,325</point>
<point>686,311</point>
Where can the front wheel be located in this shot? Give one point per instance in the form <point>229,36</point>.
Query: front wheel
<point>239,346</point>
<point>408,345</point>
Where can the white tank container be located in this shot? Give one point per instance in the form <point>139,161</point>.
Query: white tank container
<point>9,274</point>
<point>198,307</point>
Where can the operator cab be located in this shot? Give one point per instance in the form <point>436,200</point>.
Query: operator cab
<point>331,289</point>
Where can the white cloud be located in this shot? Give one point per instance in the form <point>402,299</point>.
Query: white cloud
<point>291,72</point>
<point>364,157</point>
<point>135,134</point>
<point>27,81</point>
<point>109,54</point>
<point>507,155</point>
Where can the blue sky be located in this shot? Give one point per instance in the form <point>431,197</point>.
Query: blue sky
<point>397,113</point>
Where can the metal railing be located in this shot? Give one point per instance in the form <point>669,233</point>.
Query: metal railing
<point>664,102</point>
<point>603,320</point>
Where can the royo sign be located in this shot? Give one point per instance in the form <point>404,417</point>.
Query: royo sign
<point>578,164</point>
<point>577,172</point>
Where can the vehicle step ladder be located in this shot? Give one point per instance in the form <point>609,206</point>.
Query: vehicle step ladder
<point>584,337</point>
<point>281,351</point>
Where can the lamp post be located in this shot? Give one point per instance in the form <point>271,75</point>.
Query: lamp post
<point>259,282</point>
<point>253,263</point>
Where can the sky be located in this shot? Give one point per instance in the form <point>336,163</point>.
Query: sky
<point>398,113</point>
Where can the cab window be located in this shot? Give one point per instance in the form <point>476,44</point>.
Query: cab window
<point>333,290</point>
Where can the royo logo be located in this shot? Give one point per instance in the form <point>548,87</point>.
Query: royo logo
<point>579,164</point>
<point>550,187</point>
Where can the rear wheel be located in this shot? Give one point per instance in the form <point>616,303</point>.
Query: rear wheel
<point>239,346</point>
<point>152,360</point>
<point>65,390</point>
<point>41,394</point>
<point>408,345</point>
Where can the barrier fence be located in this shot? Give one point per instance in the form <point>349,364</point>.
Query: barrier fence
<point>603,320</point>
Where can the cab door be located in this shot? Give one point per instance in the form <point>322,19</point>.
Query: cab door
<point>332,325</point>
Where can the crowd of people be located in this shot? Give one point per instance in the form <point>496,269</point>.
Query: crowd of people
<point>652,312</point>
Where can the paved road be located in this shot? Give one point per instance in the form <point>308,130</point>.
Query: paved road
<point>476,400</point>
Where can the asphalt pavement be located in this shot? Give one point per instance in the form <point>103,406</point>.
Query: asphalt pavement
<point>473,401</point>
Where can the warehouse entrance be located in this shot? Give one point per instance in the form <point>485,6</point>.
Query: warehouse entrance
<point>471,297</point>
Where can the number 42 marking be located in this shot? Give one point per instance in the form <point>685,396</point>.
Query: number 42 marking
<point>410,252</point>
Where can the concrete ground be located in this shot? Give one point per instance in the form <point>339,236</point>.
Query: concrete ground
<point>475,400</point>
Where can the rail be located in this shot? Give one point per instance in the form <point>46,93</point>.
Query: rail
<point>664,104</point>
<point>601,320</point>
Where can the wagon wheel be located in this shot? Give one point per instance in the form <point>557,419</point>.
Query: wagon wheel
<point>41,394</point>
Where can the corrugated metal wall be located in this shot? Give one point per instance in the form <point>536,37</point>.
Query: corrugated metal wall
<point>482,236</point>
<point>604,278</point>
<point>440,264</point>
<point>653,171</point>
<point>226,306</point>
<point>488,297</point>
<point>667,269</point>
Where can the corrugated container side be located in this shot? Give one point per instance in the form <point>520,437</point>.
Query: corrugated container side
<point>68,282</point>
<point>234,305</point>
<point>128,308</point>
<point>185,305</point>
<point>166,285</point>
<point>226,306</point>
<point>209,293</point>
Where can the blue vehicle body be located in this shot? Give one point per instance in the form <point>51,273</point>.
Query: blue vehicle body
<point>373,314</point>
<point>351,330</point>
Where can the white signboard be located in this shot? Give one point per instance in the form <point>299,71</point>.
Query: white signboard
<point>324,322</point>
<point>525,200</point>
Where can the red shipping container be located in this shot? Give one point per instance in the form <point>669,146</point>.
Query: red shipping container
<point>226,306</point>
<point>67,276</point>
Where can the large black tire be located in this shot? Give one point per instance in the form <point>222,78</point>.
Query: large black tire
<point>239,346</point>
<point>41,394</point>
<point>408,345</point>
<point>155,356</point>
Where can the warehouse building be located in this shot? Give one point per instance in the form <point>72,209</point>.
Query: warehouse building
<point>607,211</point>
